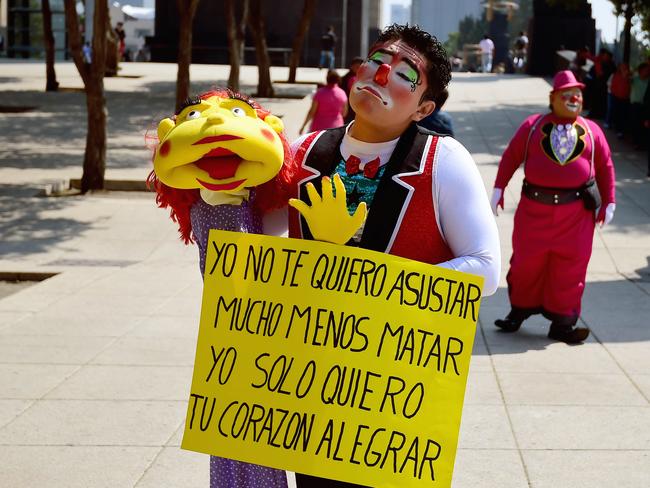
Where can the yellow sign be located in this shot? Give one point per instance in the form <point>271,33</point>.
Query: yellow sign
<point>332,361</point>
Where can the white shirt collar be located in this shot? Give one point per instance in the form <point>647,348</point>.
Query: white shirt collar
<point>366,151</point>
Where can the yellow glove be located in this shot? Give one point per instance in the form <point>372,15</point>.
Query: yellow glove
<point>328,218</point>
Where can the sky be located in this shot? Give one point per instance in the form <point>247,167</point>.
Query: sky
<point>601,11</point>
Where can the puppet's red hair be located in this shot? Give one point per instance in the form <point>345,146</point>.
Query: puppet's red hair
<point>271,195</point>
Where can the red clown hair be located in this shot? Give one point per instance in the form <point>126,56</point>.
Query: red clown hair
<point>269,196</point>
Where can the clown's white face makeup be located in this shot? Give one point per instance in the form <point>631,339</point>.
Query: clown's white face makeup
<point>390,85</point>
<point>567,103</point>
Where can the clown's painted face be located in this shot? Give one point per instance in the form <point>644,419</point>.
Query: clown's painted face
<point>218,144</point>
<point>567,103</point>
<point>390,83</point>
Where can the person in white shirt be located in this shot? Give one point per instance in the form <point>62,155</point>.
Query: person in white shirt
<point>487,53</point>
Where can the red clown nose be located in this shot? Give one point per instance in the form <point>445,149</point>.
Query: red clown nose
<point>574,98</point>
<point>381,76</point>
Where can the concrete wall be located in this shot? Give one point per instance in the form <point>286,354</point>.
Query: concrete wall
<point>210,45</point>
<point>440,17</point>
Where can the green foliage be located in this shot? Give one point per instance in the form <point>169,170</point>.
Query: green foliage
<point>451,44</point>
<point>471,30</point>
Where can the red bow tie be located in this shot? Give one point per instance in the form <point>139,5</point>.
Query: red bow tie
<point>369,170</point>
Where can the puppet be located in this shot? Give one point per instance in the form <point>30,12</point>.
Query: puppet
<point>222,162</point>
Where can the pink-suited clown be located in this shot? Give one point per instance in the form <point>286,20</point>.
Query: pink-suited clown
<point>568,188</point>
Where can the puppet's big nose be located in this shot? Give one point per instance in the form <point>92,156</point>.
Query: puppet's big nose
<point>215,119</point>
<point>381,76</point>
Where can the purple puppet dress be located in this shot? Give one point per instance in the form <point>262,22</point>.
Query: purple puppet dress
<point>228,473</point>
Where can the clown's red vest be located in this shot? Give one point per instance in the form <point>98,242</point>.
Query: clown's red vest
<point>402,218</point>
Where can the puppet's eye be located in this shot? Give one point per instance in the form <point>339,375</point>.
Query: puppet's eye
<point>194,114</point>
<point>238,112</point>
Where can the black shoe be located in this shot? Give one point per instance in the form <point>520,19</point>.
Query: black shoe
<point>508,324</point>
<point>568,334</point>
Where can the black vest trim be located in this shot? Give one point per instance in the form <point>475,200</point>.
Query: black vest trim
<point>390,196</point>
<point>323,159</point>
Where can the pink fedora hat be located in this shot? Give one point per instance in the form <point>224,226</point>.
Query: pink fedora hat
<point>566,79</point>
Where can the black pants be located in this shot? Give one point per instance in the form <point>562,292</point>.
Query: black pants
<point>306,481</point>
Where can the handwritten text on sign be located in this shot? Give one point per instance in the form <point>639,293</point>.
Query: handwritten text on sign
<point>332,361</point>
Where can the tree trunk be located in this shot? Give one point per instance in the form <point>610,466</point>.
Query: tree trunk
<point>256,23</point>
<point>296,50</point>
<point>112,51</point>
<point>74,39</point>
<point>236,37</point>
<point>627,31</point>
<point>48,39</point>
<point>94,165</point>
<point>95,156</point>
<point>186,11</point>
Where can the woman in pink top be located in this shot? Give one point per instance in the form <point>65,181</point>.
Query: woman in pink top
<point>329,106</point>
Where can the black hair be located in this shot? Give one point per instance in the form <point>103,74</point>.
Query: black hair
<point>333,78</point>
<point>441,98</point>
<point>188,102</point>
<point>438,66</point>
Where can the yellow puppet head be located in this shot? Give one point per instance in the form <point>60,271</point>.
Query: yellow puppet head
<point>221,142</point>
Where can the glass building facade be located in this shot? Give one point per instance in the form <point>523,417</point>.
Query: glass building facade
<point>24,37</point>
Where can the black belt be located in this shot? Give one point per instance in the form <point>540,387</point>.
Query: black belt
<point>551,196</point>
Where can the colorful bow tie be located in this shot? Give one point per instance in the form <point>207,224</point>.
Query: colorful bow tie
<point>369,170</point>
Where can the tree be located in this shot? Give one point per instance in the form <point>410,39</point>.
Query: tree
<point>112,50</point>
<point>48,39</point>
<point>236,37</point>
<point>451,44</point>
<point>471,30</point>
<point>520,18</point>
<point>186,12</point>
<point>256,23</point>
<point>94,165</point>
<point>630,8</point>
<point>308,9</point>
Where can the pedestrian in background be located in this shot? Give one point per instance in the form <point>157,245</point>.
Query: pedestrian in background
<point>638,88</point>
<point>121,40</point>
<point>487,53</point>
<point>347,81</point>
<point>568,188</point>
<point>521,48</point>
<point>579,62</point>
<point>618,99</point>
<point>329,106</point>
<point>600,72</point>
<point>87,53</point>
<point>327,44</point>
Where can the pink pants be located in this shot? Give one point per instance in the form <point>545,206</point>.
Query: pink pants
<point>551,247</point>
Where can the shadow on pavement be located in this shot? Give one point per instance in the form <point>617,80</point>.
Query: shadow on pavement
<point>60,122</point>
<point>25,226</point>
<point>609,308</point>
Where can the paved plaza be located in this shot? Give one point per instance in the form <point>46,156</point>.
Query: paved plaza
<point>96,361</point>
